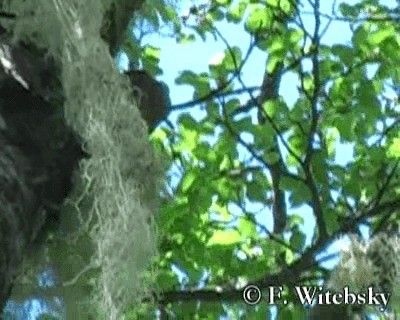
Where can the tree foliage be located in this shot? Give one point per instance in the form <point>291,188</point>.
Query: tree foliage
<point>256,147</point>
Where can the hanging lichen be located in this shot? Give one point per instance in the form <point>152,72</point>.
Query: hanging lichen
<point>107,239</point>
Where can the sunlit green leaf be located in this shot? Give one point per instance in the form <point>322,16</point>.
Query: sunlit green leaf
<point>221,211</point>
<point>308,83</point>
<point>289,256</point>
<point>375,38</point>
<point>270,107</point>
<point>151,52</point>
<point>259,17</point>
<point>247,228</point>
<point>224,237</point>
<point>233,59</point>
<point>394,148</point>
<point>236,12</point>
<point>189,139</point>
<point>295,36</point>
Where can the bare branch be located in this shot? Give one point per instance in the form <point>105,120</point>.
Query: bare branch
<point>217,93</point>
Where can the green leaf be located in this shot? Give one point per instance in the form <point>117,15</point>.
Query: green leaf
<point>297,142</point>
<point>281,5</point>
<point>299,312</point>
<point>187,77</point>
<point>345,125</point>
<point>295,36</point>
<point>345,53</point>
<point>258,18</point>
<point>188,124</point>
<point>297,112</point>
<point>360,39</point>
<point>45,316</point>
<point>299,192</point>
<point>331,220</point>
<point>199,198</point>
<point>271,107</point>
<point>200,82</point>
<point>247,228</point>
<point>367,95</point>
<point>186,38</point>
<point>224,188</point>
<point>263,136</point>
<point>278,47</point>
<point>223,2</point>
<point>133,50</point>
<point>375,38</point>
<point>331,139</point>
<point>351,185</point>
<point>189,136</point>
<point>297,240</point>
<point>308,83</point>
<point>319,166</point>
<point>225,163</point>
<point>236,12</point>
<point>150,59</point>
<point>244,125</point>
<point>224,238</point>
<point>222,211</point>
<point>255,192</point>
<point>348,10</point>
<point>272,157</point>
<point>215,15</point>
<point>394,148</point>
<point>219,72</point>
<point>167,279</point>
<point>295,221</point>
<point>232,59</point>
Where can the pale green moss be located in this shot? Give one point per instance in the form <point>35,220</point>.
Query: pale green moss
<point>108,239</point>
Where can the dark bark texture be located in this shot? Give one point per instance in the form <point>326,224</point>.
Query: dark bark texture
<point>38,153</point>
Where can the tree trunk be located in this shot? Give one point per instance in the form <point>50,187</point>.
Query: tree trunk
<point>38,153</point>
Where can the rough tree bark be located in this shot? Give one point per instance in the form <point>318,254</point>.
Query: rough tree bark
<point>38,153</point>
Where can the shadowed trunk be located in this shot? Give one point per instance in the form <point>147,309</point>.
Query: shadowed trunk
<point>38,153</point>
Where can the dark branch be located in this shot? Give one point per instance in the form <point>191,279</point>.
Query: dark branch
<point>217,93</point>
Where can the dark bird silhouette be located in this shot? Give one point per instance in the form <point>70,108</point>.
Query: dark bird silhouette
<point>152,96</point>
